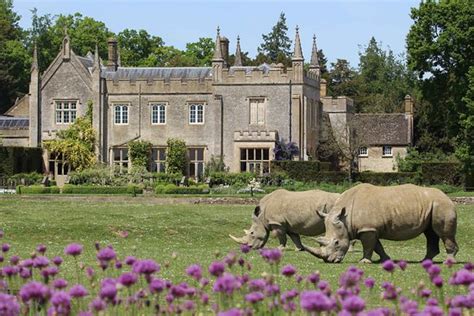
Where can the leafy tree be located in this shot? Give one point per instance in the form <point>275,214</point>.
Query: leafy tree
<point>140,152</point>
<point>137,46</point>
<point>201,52</point>
<point>76,143</point>
<point>276,44</point>
<point>342,79</point>
<point>440,51</point>
<point>176,156</point>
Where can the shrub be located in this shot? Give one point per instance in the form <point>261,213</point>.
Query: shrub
<point>236,179</point>
<point>386,178</point>
<point>176,156</point>
<point>14,160</point>
<point>98,175</point>
<point>285,151</point>
<point>37,189</point>
<point>215,164</point>
<point>174,189</point>
<point>27,178</point>
<point>140,152</point>
<point>297,170</point>
<point>95,189</point>
<point>442,173</point>
<point>174,178</point>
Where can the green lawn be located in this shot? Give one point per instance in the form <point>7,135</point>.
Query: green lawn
<point>195,233</point>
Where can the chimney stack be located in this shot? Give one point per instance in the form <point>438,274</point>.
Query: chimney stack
<point>224,41</point>
<point>322,88</point>
<point>112,63</point>
<point>408,104</point>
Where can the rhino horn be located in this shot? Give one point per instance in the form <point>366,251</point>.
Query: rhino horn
<point>241,240</point>
<point>315,252</point>
<point>247,232</point>
<point>322,241</point>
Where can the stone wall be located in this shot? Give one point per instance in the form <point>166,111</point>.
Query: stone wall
<point>378,163</point>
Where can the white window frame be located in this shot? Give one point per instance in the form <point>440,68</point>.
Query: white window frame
<point>158,162</point>
<point>386,147</point>
<point>259,121</point>
<point>159,115</point>
<point>121,115</point>
<point>363,151</point>
<point>61,111</point>
<point>190,109</point>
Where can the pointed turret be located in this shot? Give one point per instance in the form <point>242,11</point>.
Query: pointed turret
<point>297,61</point>
<point>218,61</point>
<point>314,69</point>
<point>238,54</point>
<point>34,62</point>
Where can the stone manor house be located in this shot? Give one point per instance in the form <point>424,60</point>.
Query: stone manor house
<point>233,111</point>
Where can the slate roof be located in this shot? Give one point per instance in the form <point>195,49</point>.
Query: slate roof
<point>248,69</point>
<point>149,73</point>
<point>381,128</point>
<point>88,61</point>
<point>9,122</point>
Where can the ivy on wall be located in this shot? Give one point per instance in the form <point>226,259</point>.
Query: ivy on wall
<point>140,152</point>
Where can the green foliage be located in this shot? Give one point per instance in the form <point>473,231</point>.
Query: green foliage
<point>440,51</point>
<point>341,79</point>
<point>215,164</point>
<point>14,160</point>
<point>235,179</point>
<point>37,189</point>
<point>98,175</point>
<point>442,173</point>
<point>200,52</point>
<point>176,156</point>
<point>97,189</point>
<point>140,152</point>
<point>27,178</point>
<point>386,178</point>
<point>136,46</point>
<point>297,169</point>
<point>276,46</point>
<point>174,189</point>
<point>76,143</point>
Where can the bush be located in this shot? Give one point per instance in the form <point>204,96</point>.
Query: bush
<point>235,179</point>
<point>140,152</point>
<point>446,188</point>
<point>37,189</point>
<point>176,156</point>
<point>442,173</point>
<point>386,178</point>
<point>14,160</point>
<point>98,175</point>
<point>95,189</point>
<point>174,189</point>
<point>27,178</point>
<point>297,170</point>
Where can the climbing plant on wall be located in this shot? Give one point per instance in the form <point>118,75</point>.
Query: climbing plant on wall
<point>176,156</point>
<point>139,151</point>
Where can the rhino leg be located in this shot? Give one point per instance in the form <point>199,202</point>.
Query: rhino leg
<point>297,241</point>
<point>451,246</point>
<point>278,231</point>
<point>432,243</point>
<point>369,240</point>
<point>381,252</point>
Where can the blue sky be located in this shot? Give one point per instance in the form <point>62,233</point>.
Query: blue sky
<point>340,26</point>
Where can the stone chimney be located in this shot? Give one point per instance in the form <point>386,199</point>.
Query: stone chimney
<point>408,104</point>
<point>224,42</point>
<point>322,88</point>
<point>112,63</point>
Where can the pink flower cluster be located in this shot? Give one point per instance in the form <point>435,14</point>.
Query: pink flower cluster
<point>35,285</point>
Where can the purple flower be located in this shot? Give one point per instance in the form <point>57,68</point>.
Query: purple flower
<point>462,277</point>
<point>433,310</point>
<point>369,283</point>
<point>216,268</point>
<point>425,293</point>
<point>108,292</point>
<point>130,260</point>
<point>146,267</point>
<point>231,312</point>
<point>455,312</point>
<point>9,305</point>
<point>14,260</point>
<point>289,295</point>
<point>189,305</point>
<point>98,305</point>
<point>315,301</point>
<point>5,247</point>
<point>353,304</point>
<point>57,261</point>
<point>450,261</point>
<point>402,264</point>
<point>73,249</point>
<point>59,283</point>
<point>314,277</point>
<point>9,271</point>
<point>127,279</point>
<point>41,249</point>
<point>271,256</point>
<point>106,254</point>
<point>408,306</point>
<point>25,273</point>
<point>194,271</point>
<point>288,270</point>
<point>78,291</point>
<point>350,278</point>
<point>434,270</point>
<point>389,266</point>
<point>257,284</point>
<point>157,286</point>
<point>426,264</point>
<point>245,248</point>
<point>40,262</point>
<point>390,292</point>
<point>254,297</point>
<point>28,263</point>
<point>35,291</point>
<point>85,314</point>
<point>226,283</point>
<point>61,302</point>
<point>437,281</point>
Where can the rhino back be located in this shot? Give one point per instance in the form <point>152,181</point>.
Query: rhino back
<point>396,213</point>
<point>297,211</point>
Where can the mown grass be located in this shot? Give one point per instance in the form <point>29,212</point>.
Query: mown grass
<point>178,235</point>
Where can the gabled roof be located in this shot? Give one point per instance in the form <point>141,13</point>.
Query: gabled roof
<point>381,128</point>
<point>150,73</point>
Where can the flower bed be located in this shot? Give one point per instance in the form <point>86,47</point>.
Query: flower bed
<point>132,286</point>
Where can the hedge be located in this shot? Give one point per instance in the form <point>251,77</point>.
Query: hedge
<point>386,178</point>
<point>298,170</point>
<point>173,189</point>
<point>15,160</point>
<point>37,189</point>
<point>96,189</point>
<point>225,178</point>
<point>441,173</point>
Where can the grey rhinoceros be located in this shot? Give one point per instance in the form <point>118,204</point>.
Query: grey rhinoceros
<point>283,212</point>
<point>370,213</point>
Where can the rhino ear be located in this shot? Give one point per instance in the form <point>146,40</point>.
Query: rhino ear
<point>256,212</point>
<point>322,241</point>
<point>342,214</point>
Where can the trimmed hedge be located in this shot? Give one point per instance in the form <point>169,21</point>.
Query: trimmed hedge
<point>96,189</point>
<point>37,189</point>
<point>441,173</point>
<point>297,170</point>
<point>173,189</point>
<point>15,160</point>
<point>386,178</point>
<point>225,178</point>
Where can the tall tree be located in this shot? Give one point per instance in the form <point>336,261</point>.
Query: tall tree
<point>136,47</point>
<point>201,52</point>
<point>276,45</point>
<point>440,51</point>
<point>14,58</point>
<point>342,79</point>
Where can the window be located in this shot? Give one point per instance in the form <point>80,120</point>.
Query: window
<point>158,113</point>
<point>363,152</point>
<point>255,160</point>
<point>120,156</point>
<point>66,112</point>
<point>257,111</point>
<point>387,151</point>
<point>196,113</point>
<point>121,114</point>
<point>196,162</point>
<point>58,166</point>
<point>158,160</point>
